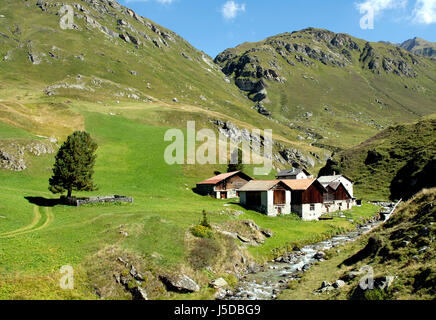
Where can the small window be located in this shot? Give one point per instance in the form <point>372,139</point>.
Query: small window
<point>312,207</point>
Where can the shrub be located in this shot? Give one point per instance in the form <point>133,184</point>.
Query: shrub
<point>201,231</point>
<point>375,294</point>
<point>205,221</point>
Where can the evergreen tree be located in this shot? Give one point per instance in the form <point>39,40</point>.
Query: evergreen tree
<point>236,163</point>
<point>74,163</point>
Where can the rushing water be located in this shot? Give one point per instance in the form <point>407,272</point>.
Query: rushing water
<point>271,279</point>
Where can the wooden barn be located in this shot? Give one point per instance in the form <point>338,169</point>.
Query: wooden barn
<point>347,182</point>
<point>223,186</point>
<point>307,197</point>
<point>337,197</point>
<point>272,197</point>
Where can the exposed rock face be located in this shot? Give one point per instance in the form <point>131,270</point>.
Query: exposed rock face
<point>231,131</point>
<point>261,109</point>
<point>12,155</point>
<point>132,281</point>
<point>286,156</point>
<point>180,283</point>
<point>420,47</point>
<point>398,63</point>
<point>293,155</point>
<point>12,162</point>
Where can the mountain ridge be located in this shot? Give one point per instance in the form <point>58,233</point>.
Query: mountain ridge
<point>420,46</point>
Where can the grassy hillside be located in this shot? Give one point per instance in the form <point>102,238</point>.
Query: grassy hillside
<point>396,163</point>
<point>334,88</point>
<point>403,249</point>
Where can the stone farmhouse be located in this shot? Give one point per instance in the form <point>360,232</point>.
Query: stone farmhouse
<point>223,186</point>
<point>272,197</point>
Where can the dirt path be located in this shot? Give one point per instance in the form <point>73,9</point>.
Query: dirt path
<point>37,217</point>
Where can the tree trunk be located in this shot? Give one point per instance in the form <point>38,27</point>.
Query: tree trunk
<point>69,193</point>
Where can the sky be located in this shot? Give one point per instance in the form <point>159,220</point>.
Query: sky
<point>215,25</point>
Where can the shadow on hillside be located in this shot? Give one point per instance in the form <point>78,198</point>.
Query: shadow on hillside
<point>44,202</point>
<point>370,250</point>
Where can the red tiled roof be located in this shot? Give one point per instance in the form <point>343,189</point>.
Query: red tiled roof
<point>219,178</point>
<point>299,184</point>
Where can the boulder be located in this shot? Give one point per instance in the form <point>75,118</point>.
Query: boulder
<point>319,255</point>
<point>219,283</point>
<point>339,284</point>
<point>139,293</point>
<point>180,283</point>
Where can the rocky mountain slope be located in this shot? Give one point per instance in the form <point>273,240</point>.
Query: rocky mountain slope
<point>110,53</point>
<point>397,163</point>
<point>420,47</point>
<point>338,86</point>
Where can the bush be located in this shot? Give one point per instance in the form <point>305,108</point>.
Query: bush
<point>201,231</point>
<point>375,294</point>
<point>205,221</point>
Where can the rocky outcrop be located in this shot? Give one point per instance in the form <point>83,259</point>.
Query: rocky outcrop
<point>179,283</point>
<point>14,162</point>
<point>262,110</point>
<point>133,281</point>
<point>285,156</point>
<point>12,156</point>
<point>398,63</point>
<point>292,155</point>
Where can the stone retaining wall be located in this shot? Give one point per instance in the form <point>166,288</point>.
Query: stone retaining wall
<point>115,198</point>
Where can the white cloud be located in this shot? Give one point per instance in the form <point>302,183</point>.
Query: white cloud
<point>231,9</point>
<point>378,6</point>
<point>425,12</point>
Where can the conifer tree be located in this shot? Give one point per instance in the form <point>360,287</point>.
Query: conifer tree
<point>74,165</point>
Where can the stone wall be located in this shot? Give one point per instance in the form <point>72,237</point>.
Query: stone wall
<point>107,199</point>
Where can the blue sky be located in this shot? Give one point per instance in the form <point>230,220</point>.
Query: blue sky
<point>214,25</point>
